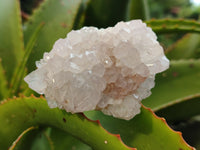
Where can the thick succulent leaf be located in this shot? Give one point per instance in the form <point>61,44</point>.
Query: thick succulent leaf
<point>11,40</point>
<point>21,113</point>
<point>80,18</point>
<point>138,9</point>
<point>37,139</point>
<point>3,83</point>
<point>21,69</point>
<point>179,82</point>
<point>58,18</point>
<point>21,139</point>
<point>42,141</point>
<point>63,141</point>
<point>145,131</point>
<point>174,25</point>
<point>185,48</point>
<point>48,139</point>
<point>182,110</point>
<point>104,13</point>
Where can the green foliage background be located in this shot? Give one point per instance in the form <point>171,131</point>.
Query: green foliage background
<point>28,28</point>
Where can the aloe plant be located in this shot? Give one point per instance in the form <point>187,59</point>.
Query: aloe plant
<point>28,123</point>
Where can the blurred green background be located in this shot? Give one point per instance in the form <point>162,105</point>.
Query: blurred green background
<point>44,21</point>
<point>105,13</point>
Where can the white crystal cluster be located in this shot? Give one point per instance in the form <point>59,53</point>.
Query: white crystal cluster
<point>110,70</point>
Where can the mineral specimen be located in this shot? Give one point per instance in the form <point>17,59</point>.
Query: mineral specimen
<point>110,70</point>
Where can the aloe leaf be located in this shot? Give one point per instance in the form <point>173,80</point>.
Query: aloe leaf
<point>104,13</point>
<point>49,139</point>
<point>180,81</point>
<point>81,15</point>
<point>145,131</point>
<point>138,9</point>
<point>174,25</point>
<point>3,83</point>
<point>58,18</point>
<point>11,38</point>
<point>18,114</point>
<point>185,48</point>
<point>183,110</point>
<point>19,139</point>
<point>35,139</point>
<point>21,69</point>
<point>22,113</point>
<point>40,141</point>
<point>63,141</point>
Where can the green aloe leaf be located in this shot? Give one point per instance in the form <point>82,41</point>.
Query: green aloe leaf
<point>138,9</point>
<point>21,69</point>
<point>37,139</point>
<point>185,48</point>
<point>42,141</point>
<point>63,141</point>
<point>18,114</point>
<point>182,110</point>
<point>179,82</point>
<point>11,38</point>
<point>81,16</point>
<point>104,13</point>
<point>21,139</point>
<point>174,25</point>
<point>22,113</point>
<point>58,18</point>
<point>145,131</point>
<point>3,83</point>
<point>48,139</point>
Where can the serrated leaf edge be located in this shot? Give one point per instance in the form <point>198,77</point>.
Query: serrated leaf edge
<point>94,121</point>
<point>174,25</point>
<point>99,124</point>
<point>116,135</point>
<point>165,122</point>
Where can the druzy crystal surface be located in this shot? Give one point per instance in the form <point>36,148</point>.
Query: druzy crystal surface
<point>110,69</point>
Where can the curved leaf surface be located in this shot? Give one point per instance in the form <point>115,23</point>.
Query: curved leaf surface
<point>63,141</point>
<point>11,38</point>
<point>21,69</point>
<point>48,139</point>
<point>21,139</point>
<point>21,113</point>
<point>182,110</point>
<point>185,48</point>
<point>3,83</point>
<point>174,25</point>
<point>58,18</point>
<point>180,81</point>
<point>138,9</point>
<point>37,139</point>
<point>145,131</point>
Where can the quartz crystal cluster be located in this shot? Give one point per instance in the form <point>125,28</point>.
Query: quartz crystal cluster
<point>110,69</point>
